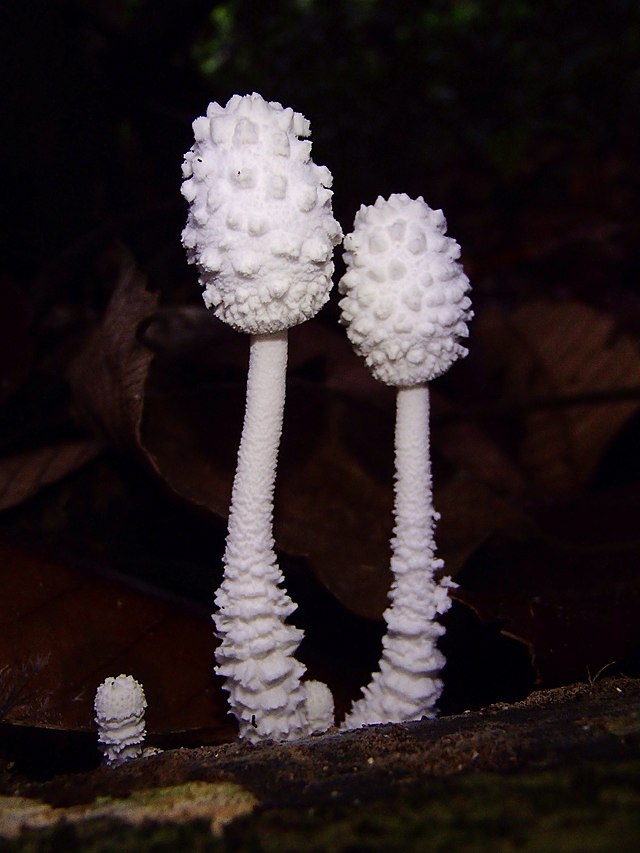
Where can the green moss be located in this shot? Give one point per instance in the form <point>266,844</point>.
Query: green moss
<point>122,824</point>
<point>106,836</point>
<point>593,808</point>
<point>586,809</point>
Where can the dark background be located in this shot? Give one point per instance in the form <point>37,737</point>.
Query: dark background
<point>492,110</point>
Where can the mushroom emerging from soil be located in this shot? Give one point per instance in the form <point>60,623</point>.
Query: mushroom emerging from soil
<point>405,306</point>
<point>262,233</point>
<point>119,707</point>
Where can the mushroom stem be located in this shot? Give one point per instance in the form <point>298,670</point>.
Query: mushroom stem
<point>413,541</point>
<point>256,651</point>
<point>407,685</point>
<point>250,536</point>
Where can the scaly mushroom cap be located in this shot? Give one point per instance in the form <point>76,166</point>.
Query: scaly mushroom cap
<point>119,699</point>
<point>260,226</point>
<point>405,304</point>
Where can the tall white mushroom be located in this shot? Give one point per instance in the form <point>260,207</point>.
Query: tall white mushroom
<point>262,233</point>
<point>405,306</point>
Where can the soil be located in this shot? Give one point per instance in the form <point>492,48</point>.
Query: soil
<point>558,771</point>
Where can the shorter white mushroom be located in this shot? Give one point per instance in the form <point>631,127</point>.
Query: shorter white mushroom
<point>406,308</point>
<point>119,706</point>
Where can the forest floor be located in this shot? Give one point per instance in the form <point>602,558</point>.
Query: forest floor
<point>557,771</point>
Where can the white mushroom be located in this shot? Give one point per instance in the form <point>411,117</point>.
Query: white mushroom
<point>119,707</point>
<point>320,706</point>
<point>405,306</point>
<point>261,232</point>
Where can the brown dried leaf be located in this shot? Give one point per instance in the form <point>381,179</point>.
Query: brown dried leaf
<point>555,356</point>
<point>22,475</point>
<point>189,336</point>
<point>16,345</point>
<point>336,494</point>
<point>108,378</point>
<point>472,450</point>
<point>471,513</point>
<point>64,631</point>
<point>570,592</point>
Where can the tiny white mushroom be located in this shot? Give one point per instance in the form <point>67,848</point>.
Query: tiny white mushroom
<point>320,708</point>
<point>251,153</point>
<point>119,707</point>
<point>407,349</point>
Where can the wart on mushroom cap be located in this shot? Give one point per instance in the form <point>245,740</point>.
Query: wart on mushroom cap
<point>261,232</point>
<point>405,306</point>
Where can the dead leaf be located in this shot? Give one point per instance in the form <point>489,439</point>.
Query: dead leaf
<point>107,384</point>
<point>570,592</point>
<point>16,345</point>
<point>472,450</point>
<point>336,494</point>
<point>190,338</point>
<point>64,631</point>
<point>554,358</point>
<point>22,475</point>
<point>108,378</point>
<point>472,513</point>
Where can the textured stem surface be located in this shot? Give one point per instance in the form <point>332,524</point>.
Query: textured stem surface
<point>256,651</point>
<point>250,535</point>
<point>407,685</point>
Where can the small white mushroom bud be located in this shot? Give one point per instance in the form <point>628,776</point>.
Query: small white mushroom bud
<point>119,707</point>
<point>320,706</point>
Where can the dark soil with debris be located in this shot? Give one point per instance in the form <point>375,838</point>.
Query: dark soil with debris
<point>560,770</point>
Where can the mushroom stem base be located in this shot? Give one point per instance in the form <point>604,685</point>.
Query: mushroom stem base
<point>407,685</point>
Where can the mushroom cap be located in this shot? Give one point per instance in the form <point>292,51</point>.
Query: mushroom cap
<point>119,699</point>
<point>405,301</point>
<point>260,227</point>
